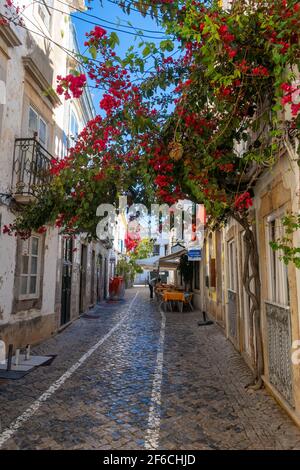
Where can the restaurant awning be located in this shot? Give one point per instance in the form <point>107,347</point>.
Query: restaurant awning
<point>149,263</point>
<point>171,261</point>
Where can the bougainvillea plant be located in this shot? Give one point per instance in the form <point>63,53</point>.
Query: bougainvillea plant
<point>127,264</point>
<point>206,121</point>
<point>233,82</point>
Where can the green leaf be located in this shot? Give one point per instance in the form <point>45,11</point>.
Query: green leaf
<point>93,52</point>
<point>146,51</point>
<point>114,40</point>
<point>167,45</point>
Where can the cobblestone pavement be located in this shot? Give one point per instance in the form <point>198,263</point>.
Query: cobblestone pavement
<point>105,402</point>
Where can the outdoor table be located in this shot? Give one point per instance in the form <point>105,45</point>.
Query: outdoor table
<point>182,298</point>
<point>161,288</point>
<point>169,297</point>
<point>174,295</point>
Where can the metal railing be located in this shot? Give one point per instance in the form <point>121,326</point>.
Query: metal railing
<point>279,349</point>
<point>232,313</point>
<point>31,165</point>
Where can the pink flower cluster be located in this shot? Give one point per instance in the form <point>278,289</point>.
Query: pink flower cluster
<point>243,202</point>
<point>290,94</point>
<point>71,83</point>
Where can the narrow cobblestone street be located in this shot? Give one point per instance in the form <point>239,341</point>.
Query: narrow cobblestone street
<point>124,394</point>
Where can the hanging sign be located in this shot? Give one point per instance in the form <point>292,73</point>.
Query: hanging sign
<point>195,254</point>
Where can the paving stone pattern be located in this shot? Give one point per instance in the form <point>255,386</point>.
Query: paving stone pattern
<point>105,403</point>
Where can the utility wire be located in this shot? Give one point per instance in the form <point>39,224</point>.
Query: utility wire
<point>102,19</point>
<point>104,26</point>
<point>64,49</point>
<point>69,52</point>
<point>119,4</point>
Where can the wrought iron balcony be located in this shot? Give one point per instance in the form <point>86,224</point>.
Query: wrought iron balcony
<point>31,165</point>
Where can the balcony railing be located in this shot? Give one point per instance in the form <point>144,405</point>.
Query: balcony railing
<point>31,165</point>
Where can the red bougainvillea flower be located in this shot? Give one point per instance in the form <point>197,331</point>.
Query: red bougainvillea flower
<point>7,229</point>
<point>232,53</point>
<point>109,103</point>
<point>287,87</point>
<point>98,32</point>
<point>260,71</point>
<point>223,29</point>
<point>227,167</point>
<point>130,242</point>
<point>295,108</point>
<point>286,99</point>
<point>243,66</point>
<point>60,220</point>
<point>58,165</point>
<point>95,36</point>
<point>291,94</point>
<point>225,91</point>
<point>243,202</point>
<point>72,83</point>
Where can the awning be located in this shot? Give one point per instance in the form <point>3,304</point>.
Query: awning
<point>149,263</point>
<point>171,261</point>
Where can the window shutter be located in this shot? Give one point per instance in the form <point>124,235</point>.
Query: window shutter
<point>212,272</point>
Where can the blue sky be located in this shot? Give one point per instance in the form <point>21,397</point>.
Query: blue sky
<point>111,12</point>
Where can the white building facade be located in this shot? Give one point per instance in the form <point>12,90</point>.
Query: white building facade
<point>45,281</point>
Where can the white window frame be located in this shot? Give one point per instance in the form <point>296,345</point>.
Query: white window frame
<point>72,135</point>
<point>39,120</point>
<point>278,287</point>
<point>36,294</point>
<point>232,280</point>
<point>156,249</point>
<point>41,7</point>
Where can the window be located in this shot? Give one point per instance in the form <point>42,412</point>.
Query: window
<point>30,267</point>
<point>73,126</point>
<point>278,275</point>
<point>211,263</point>
<point>44,11</point>
<point>231,266</point>
<point>37,126</point>
<point>197,275</point>
<point>65,145</point>
<point>156,250</point>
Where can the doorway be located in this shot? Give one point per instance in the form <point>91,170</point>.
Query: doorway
<point>83,263</point>
<point>105,279</point>
<point>66,281</point>
<point>99,277</point>
<point>92,296</point>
